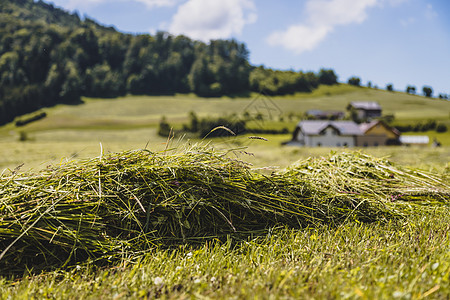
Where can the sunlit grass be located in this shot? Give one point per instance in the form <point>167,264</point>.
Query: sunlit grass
<point>52,147</point>
<point>406,260</point>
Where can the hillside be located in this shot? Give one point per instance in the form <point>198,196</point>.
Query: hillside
<point>50,56</point>
<point>143,111</point>
<point>131,122</point>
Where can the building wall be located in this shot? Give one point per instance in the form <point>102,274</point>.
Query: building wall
<point>380,129</point>
<point>330,138</point>
<point>373,113</point>
<point>300,137</point>
<point>371,140</point>
<point>338,141</point>
<point>362,113</point>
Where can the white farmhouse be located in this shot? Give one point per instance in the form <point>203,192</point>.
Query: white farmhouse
<point>326,133</point>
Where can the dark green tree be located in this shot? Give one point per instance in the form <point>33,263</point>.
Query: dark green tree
<point>327,76</point>
<point>193,122</point>
<point>356,81</point>
<point>410,89</point>
<point>164,128</point>
<point>441,128</point>
<point>427,91</point>
<point>102,81</point>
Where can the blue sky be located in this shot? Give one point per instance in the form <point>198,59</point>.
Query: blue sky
<point>402,42</point>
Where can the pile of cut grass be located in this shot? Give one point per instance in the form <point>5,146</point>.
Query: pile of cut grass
<point>124,204</point>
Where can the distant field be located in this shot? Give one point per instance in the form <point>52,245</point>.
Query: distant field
<point>142,111</point>
<point>38,154</point>
<point>131,122</point>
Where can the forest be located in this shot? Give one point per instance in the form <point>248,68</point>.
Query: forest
<point>50,56</point>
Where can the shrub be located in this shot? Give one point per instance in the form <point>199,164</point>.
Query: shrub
<point>356,81</point>
<point>441,128</point>
<point>23,136</point>
<point>164,127</point>
<point>33,118</point>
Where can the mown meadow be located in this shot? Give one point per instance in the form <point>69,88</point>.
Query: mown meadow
<point>131,123</point>
<point>407,259</point>
<point>346,223</point>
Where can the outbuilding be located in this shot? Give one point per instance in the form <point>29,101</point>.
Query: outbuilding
<point>418,140</point>
<point>365,109</point>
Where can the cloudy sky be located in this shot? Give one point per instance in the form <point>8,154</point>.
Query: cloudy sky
<point>403,42</point>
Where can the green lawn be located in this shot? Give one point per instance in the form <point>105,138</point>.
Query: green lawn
<point>407,259</point>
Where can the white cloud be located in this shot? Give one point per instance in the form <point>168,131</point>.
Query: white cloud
<point>393,3</point>
<point>299,38</point>
<point>157,3</point>
<point>406,22</point>
<point>337,12</point>
<point>206,19</point>
<point>430,13</point>
<point>322,16</point>
<point>83,4</point>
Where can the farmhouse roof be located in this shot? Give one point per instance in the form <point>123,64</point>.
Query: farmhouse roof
<point>368,105</point>
<point>314,127</point>
<point>366,126</point>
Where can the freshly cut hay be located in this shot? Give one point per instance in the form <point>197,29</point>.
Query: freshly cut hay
<point>363,175</point>
<point>123,204</point>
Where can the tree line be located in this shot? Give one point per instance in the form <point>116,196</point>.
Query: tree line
<point>222,126</point>
<point>49,56</point>
<point>410,89</point>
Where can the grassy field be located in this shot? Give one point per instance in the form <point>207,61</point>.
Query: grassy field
<point>143,111</point>
<point>400,260</point>
<point>406,258</point>
<point>131,122</point>
<point>40,153</point>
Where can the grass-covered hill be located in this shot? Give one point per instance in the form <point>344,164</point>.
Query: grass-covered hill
<point>130,122</point>
<point>142,111</point>
<point>49,56</point>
